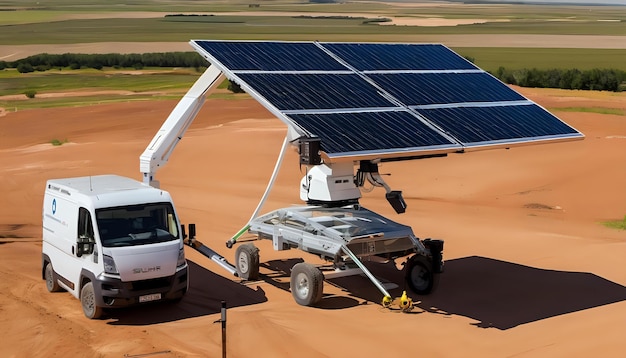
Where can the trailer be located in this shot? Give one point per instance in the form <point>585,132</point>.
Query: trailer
<point>349,107</point>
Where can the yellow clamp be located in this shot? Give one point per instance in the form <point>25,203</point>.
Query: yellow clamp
<point>387,301</point>
<point>406,303</point>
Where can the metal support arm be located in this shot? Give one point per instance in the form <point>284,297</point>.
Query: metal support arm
<point>171,132</point>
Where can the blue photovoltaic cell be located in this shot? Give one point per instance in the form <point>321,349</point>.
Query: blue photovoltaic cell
<point>315,91</point>
<point>381,57</point>
<point>414,89</point>
<point>471,125</point>
<point>369,131</point>
<point>271,56</point>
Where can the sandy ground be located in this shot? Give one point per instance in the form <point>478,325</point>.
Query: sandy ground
<point>530,272</point>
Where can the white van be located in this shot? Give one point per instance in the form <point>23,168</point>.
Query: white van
<point>111,242</point>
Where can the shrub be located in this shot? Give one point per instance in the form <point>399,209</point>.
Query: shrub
<point>57,142</point>
<point>595,79</point>
<point>616,224</point>
<point>30,93</point>
<point>234,87</point>
<point>25,67</point>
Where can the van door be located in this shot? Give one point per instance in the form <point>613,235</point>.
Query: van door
<point>87,249</point>
<point>59,223</point>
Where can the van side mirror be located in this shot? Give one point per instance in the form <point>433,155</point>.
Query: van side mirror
<point>84,246</point>
<point>192,231</point>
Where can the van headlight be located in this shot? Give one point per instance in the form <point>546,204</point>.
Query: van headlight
<point>181,257</point>
<point>109,265</point>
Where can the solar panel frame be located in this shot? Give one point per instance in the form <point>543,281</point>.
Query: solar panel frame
<point>310,97</point>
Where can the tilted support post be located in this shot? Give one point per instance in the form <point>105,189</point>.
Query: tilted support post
<point>171,132</point>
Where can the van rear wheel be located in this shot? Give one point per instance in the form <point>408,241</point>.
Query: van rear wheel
<point>51,283</point>
<point>88,301</point>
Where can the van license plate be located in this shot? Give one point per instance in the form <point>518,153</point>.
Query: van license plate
<point>148,298</point>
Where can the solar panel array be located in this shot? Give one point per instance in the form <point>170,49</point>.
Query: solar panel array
<point>373,100</point>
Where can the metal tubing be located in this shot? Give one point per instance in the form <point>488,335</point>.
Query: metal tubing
<point>279,161</point>
<point>220,260</point>
<point>223,329</point>
<point>234,239</point>
<point>365,270</point>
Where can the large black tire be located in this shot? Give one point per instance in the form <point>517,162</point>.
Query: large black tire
<point>247,261</point>
<point>307,284</point>
<point>419,275</point>
<point>88,301</point>
<point>51,282</point>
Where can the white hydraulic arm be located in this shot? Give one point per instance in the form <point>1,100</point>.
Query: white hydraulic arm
<point>171,132</point>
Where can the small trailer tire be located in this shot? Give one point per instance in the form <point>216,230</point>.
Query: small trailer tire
<point>419,275</point>
<point>307,284</point>
<point>88,301</point>
<point>51,283</point>
<point>247,261</point>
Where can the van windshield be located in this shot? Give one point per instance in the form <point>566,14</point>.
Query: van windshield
<point>137,224</point>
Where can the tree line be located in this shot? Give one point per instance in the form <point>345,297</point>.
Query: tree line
<point>593,79</point>
<point>44,62</point>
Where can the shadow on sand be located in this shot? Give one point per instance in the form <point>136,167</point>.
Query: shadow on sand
<point>503,295</point>
<point>206,292</point>
<point>496,293</point>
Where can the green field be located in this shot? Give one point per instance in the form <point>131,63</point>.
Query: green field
<point>87,21</point>
<point>162,80</point>
<point>138,85</point>
<point>490,58</point>
<point>58,21</point>
<point>181,29</point>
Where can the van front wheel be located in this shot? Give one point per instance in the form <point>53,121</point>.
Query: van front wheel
<point>51,283</point>
<point>88,301</point>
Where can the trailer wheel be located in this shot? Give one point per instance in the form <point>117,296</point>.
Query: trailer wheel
<point>419,275</point>
<point>247,261</point>
<point>307,284</point>
<point>51,283</point>
<point>88,301</point>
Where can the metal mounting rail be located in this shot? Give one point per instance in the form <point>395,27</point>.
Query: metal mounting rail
<point>217,258</point>
<point>365,271</point>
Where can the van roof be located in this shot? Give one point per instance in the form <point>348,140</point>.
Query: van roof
<point>107,190</point>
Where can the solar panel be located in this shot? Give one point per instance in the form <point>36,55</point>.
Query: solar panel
<point>414,89</point>
<point>383,100</point>
<point>270,56</point>
<point>287,91</point>
<point>364,132</point>
<point>474,126</point>
<point>407,57</point>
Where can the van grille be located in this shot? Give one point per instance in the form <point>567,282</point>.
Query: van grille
<point>151,284</point>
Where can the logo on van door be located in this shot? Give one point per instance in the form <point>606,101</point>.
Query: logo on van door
<point>146,269</point>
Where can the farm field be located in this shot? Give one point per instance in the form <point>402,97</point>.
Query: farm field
<point>99,27</point>
<point>532,269</point>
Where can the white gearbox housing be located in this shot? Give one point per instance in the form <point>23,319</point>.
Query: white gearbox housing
<point>329,183</point>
